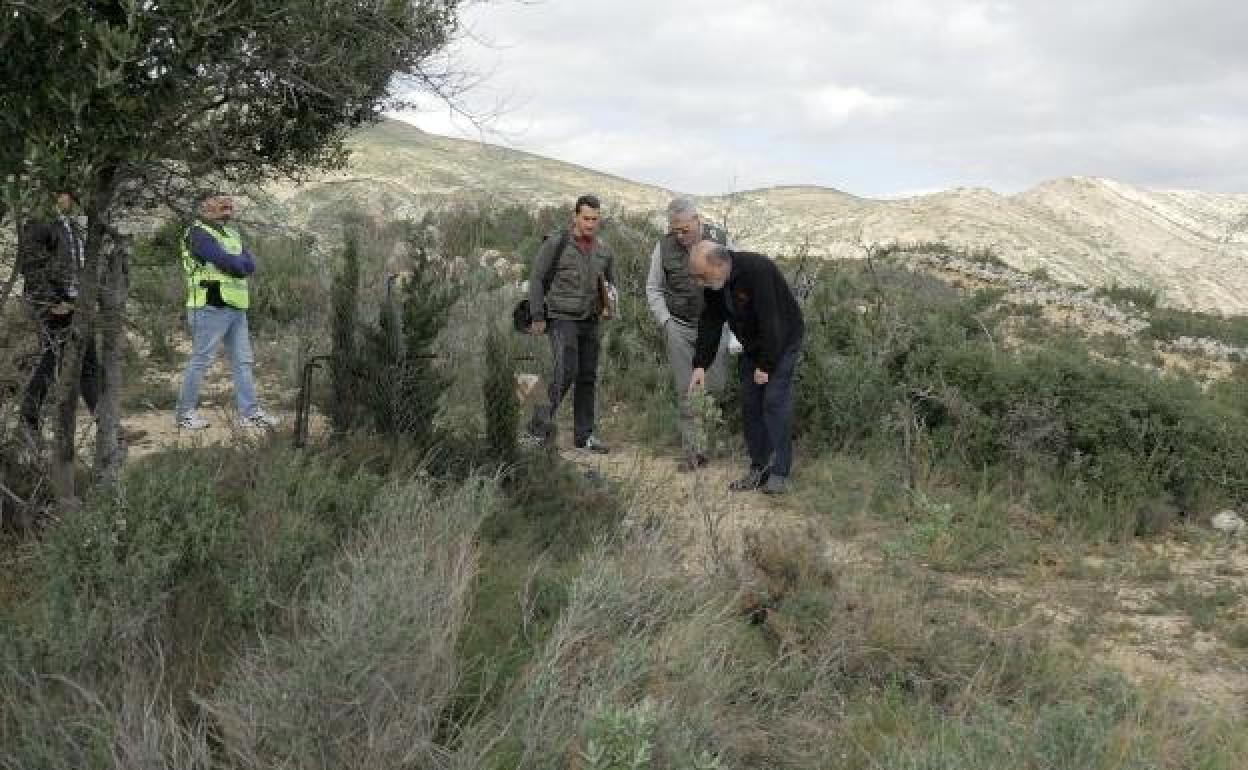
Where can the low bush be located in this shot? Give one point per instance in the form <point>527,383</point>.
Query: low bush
<point>1132,297</point>
<point>193,551</point>
<point>1169,324</point>
<point>893,362</point>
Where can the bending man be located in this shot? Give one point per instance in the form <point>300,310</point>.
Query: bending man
<point>748,291</point>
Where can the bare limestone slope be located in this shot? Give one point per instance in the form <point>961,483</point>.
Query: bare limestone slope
<point>1190,246</point>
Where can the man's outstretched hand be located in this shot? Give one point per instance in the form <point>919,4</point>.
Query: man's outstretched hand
<point>697,380</point>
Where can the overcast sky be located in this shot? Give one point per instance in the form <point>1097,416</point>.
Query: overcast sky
<point>881,98</point>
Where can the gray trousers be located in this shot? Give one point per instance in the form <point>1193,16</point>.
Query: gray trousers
<point>574,354</point>
<point>680,343</point>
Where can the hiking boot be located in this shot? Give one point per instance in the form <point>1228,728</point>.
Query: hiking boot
<point>752,480</point>
<point>258,420</point>
<point>691,463</point>
<point>130,435</point>
<point>776,485</point>
<point>191,422</point>
<point>126,435</point>
<point>592,444</point>
<point>531,440</point>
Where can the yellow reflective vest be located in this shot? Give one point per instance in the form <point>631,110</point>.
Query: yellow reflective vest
<point>201,275</point>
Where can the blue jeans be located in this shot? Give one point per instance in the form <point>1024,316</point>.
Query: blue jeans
<point>210,326</point>
<point>768,413</point>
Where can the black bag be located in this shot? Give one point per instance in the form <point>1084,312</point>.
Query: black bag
<point>521,317</point>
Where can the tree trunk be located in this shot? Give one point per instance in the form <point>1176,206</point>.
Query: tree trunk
<point>12,280</point>
<point>109,454</point>
<point>62,466</point>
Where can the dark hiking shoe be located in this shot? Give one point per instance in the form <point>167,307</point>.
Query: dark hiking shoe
<point>259,420</point>
<point>752,480</point>
<point>191,422</point>
<point>531,440</point>
<point>592,444</point>
<point>776,485</point>
<point>130,435</point>
<point>691,463</point>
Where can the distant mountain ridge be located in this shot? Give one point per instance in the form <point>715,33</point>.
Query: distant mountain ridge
<point>1190,246</point>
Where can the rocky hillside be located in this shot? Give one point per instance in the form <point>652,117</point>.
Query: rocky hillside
<point>1190,246</point>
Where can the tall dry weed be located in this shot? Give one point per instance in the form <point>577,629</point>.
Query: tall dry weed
<point>366,679</point>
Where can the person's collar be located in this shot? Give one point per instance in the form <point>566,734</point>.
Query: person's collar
<point>734,269</point>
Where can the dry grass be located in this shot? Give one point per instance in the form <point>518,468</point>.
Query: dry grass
<point>365,680</point>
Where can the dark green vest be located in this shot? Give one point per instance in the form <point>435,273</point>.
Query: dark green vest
<point>684,296</point>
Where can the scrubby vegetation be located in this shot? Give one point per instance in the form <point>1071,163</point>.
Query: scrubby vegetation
<point>1170,324</point>
<point>1136,297</point>
<point>422,592</point>
<point>896,361</point>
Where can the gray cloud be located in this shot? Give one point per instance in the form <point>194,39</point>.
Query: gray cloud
<point>874,99</point>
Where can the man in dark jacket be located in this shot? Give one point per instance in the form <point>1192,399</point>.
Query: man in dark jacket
<point>566,288</point>
<point>748,291</point>
<point>50,254</point>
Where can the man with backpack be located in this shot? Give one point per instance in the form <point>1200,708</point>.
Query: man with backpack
<point>566,289</point>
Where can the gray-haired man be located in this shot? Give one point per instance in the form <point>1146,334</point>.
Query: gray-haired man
<point>676,303</point>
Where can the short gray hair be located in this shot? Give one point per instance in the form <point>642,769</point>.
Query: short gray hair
<point>681,208</point>
<point>719,254</point>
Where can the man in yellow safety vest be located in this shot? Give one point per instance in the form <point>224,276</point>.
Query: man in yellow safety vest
<point>216,265</point>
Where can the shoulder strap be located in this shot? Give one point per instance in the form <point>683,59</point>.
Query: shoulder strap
<point>712,232</point>
<point>549,278</point>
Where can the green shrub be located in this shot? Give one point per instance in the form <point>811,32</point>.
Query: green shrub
<point>1169,324</point>
<point>498,394</point>
<point>1137,297</point>
<point>191,537</point>
<point>345,376</point>
<point>892,361</point>
<point>402,386</point>
<point>290,288</point>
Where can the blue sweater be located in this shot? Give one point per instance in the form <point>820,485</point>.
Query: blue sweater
<point>206,249</point>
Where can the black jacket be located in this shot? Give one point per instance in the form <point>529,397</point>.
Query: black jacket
<point>764,313</point>
<point>47,261</point>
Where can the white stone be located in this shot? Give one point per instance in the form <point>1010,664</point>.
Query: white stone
<point>1229,522</point>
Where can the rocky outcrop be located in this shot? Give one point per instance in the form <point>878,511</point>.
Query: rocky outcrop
<point>1191,247</point>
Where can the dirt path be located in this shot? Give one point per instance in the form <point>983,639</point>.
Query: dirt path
<point>157,432</point>
<point>698,512</point>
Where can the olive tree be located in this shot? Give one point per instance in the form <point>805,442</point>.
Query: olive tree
<point>137,103</point>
